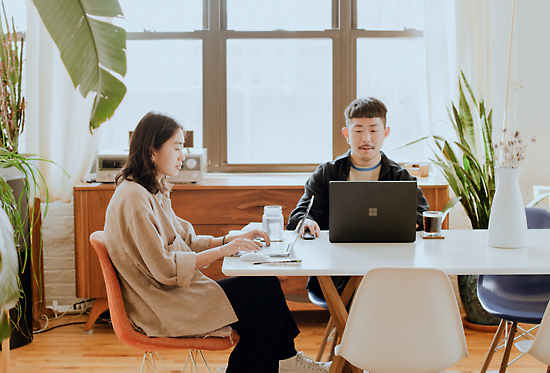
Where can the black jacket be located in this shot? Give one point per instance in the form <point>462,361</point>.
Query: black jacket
<point>338,170</point>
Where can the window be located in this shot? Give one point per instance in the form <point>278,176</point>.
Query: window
<point>263,85</point>
<point>279,97</point>
<point>16,10</point>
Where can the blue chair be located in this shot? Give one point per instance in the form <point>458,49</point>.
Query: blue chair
<point>515,298</point>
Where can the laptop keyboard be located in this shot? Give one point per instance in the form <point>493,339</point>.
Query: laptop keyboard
<point>275,248</point>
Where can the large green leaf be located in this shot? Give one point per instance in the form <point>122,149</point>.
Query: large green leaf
<point>90,49</point>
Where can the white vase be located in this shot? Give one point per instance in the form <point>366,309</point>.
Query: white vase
<point>507,223</point>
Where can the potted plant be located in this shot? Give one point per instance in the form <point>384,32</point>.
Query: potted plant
<point>14,186</point>
<point>15,189</point>
<point>99,48</point>
<point>468,164</point>
<point>471,175</point>
<point>8,272</point>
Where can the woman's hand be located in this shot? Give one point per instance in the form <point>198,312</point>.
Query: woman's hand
<point>239,244</point>
<point>254,235</point>
<point>245,241</point>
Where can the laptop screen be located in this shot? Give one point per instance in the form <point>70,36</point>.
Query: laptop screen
<point>372,211</point>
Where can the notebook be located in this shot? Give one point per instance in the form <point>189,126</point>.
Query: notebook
<point>283,248</point>
<point>372,211</point>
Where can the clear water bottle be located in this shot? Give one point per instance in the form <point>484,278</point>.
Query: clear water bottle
<point>273,222</point>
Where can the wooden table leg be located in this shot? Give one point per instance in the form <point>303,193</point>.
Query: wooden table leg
<point>100,305</point>
<point>350,289</point>
<point>335,306</point>
<point>336,303</point>
<point>496,341</point>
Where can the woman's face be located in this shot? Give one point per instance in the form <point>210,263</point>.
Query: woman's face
<point>170,156</point>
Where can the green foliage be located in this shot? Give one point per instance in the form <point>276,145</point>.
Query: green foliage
<point>467,163</point>
<point>12,103</point>
<point>90,49</point>
<point>8,273</point>
<point>32,179</point>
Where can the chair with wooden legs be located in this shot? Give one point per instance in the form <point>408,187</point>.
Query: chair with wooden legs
<point>515,299</point>
<point>402,320</point>
<point>129,336</point>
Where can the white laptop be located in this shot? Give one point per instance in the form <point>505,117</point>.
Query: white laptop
<point>284,247</point>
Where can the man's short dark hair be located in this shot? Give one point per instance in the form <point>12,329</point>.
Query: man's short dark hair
<point>368,107</point>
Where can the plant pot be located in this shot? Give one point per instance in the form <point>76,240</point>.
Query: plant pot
<point>475,313</point>
<point>21,318</point>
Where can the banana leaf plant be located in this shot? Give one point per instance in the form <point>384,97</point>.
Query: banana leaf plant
<point>93,52</point>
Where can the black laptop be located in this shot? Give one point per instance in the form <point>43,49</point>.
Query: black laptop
<point>372,211</point>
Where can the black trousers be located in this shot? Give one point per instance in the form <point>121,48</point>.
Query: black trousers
<point>266,327</point>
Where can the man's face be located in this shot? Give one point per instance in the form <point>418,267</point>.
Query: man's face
<point>365,136</point>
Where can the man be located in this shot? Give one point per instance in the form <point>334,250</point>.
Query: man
<point>365,132</point>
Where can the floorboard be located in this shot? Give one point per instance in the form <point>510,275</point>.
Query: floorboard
<point>67,349</point>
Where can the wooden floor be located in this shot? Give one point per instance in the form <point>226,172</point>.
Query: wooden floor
<point>66,349</point>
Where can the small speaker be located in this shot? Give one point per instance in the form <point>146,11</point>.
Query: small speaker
<point>193,168</point>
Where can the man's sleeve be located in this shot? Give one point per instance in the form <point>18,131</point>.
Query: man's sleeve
<point>315,186</point>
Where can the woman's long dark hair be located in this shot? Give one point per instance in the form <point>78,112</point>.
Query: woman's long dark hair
<point>152,131</point>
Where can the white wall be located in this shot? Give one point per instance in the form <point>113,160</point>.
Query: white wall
<point>529,87</point>
<point>59,259</point>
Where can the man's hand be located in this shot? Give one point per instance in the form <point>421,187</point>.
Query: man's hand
<point>312,226</point>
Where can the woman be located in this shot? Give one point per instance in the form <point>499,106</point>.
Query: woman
<point>158,258</point>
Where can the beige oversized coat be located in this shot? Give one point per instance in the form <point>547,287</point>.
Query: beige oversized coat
<point>154,253</point>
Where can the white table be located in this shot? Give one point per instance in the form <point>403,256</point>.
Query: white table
<point>461,252</point>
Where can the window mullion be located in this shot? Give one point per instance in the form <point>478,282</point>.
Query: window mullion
<point>344,73</point>
<point>214,88</point>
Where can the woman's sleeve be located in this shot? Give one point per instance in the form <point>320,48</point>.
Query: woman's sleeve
<point>197,243</point>
<point>169,263</point>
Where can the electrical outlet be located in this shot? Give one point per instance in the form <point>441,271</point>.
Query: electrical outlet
<point>69,309</point>
<point>65,308</point>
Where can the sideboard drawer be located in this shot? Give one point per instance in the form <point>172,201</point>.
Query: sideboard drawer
<point>231,206</point>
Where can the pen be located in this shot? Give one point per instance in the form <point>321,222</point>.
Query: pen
<point>297,261</point>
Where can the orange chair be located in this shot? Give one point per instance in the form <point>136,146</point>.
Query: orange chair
<point>129,336</point>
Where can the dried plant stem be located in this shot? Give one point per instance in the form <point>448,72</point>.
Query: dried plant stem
<point>509,65</point>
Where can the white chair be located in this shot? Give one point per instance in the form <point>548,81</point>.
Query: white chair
<point>539,348</point>
<point>402,320</point>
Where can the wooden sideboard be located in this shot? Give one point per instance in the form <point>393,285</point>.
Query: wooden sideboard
<point>223,203</point>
